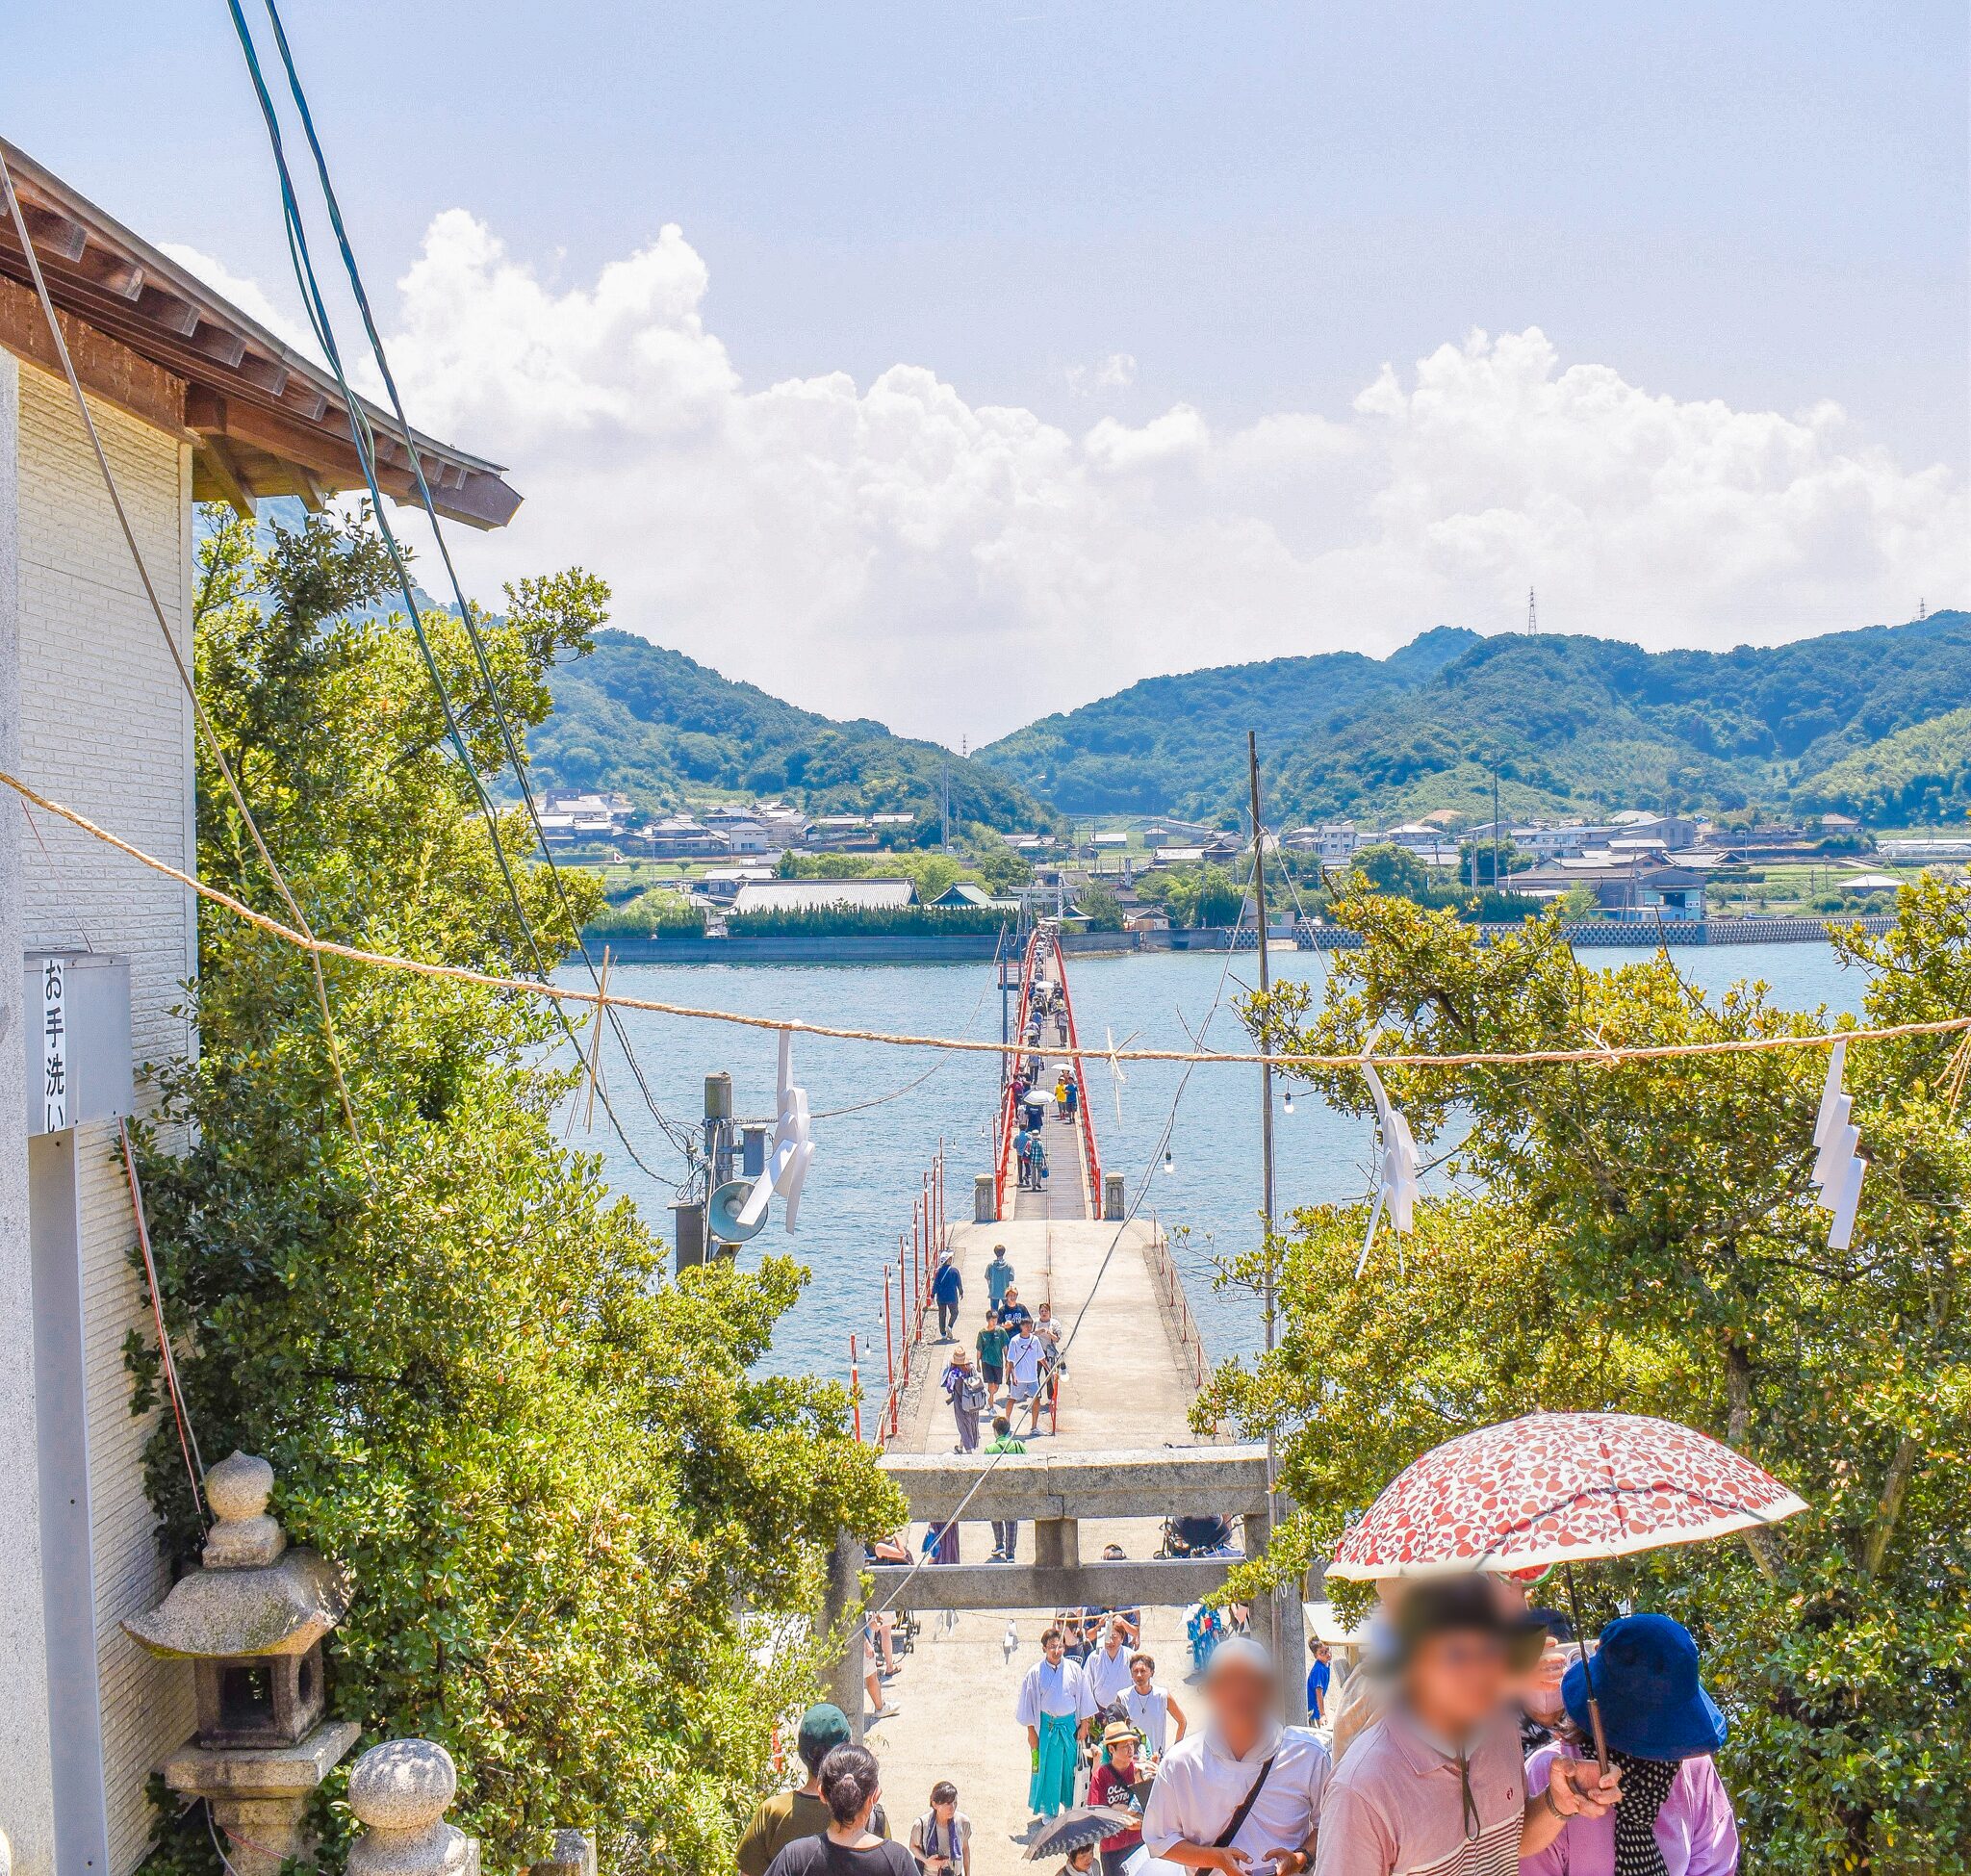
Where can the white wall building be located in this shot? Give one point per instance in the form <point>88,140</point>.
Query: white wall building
<point>193,401</point>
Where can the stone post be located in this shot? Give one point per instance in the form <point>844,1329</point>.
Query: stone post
<point>841,1605</point>
<point>1112,1208</point>
<point>400,1792</point>
<point>1057,1543</point>
<point>574,1854</point>
<point>984,1210</point>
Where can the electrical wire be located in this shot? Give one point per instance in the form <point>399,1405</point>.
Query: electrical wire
<point>364,441</point>
<point>1059,1359</point>
<point>1605,1055</point>
<point>908,1087</point>
<point>515,757</point>
<point>150,593</point>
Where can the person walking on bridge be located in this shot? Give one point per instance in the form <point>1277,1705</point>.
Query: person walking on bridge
<point>1006,1532</point>
<point>946,1288</point>
<point>1053,1704</point>
<point>999,1277</point>
<point>968,1398</point>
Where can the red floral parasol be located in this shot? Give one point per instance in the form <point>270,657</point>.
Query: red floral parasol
<point>1553,1488</point>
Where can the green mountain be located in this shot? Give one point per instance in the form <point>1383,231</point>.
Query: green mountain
<point>657,725</point>
<point>1919,773</point>
<point>1570,723</point>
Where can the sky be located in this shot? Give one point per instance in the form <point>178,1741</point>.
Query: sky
<point>953,364</point>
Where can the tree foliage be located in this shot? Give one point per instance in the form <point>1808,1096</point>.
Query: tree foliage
<point>1642,1237</point>
<point>553,1472</point>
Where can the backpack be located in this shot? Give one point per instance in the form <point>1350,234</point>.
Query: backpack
<point>971,1394</point>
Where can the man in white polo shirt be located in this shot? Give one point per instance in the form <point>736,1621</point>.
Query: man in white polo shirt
<point>1242,1789</point>
<point>1108,1666</point>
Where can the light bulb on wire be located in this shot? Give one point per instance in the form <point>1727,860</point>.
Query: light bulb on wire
<point>1169,1163</point>
<point>1289,1101</point>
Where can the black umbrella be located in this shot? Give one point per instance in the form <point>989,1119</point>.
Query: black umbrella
<point>1073,1828</point>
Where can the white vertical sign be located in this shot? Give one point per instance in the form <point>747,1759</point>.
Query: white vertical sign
<point>54,1045</point>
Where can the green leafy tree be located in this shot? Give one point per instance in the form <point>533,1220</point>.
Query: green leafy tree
<point>553,1474</point>
<point>1215,899</point>
<point>1643,1238</point>
<point>1389,868</point>
<point>1102,906</point>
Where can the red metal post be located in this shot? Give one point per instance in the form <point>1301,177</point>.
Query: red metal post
<point>889,1346</point>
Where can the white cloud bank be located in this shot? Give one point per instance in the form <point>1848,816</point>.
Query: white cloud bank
<point>893,551</point>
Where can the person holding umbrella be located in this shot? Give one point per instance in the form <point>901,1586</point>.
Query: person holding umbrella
<point>1112,1783</point>
<point>1437,1782</point>
<point>1674,1817</point>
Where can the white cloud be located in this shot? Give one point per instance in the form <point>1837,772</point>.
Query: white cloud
<point>895,551</point>
<point>1116,373</point>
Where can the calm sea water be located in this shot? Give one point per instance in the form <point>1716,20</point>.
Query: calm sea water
<point>867,1163</point>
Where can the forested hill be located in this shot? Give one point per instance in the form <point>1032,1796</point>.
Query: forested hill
<point>657,725</point>
<point>1572,724</point>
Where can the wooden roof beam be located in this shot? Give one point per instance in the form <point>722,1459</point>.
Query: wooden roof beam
<point>55,235</point>
<point>216,459</point>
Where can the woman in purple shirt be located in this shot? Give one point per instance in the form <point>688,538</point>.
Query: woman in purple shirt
<point>1674,1817</point>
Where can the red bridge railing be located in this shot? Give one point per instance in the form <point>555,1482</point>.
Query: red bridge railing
<point>1045,944</point>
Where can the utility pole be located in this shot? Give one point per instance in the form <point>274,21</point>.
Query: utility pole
<point>944,838</point>
<point>1279,1591</point>
<point>1494,823</point>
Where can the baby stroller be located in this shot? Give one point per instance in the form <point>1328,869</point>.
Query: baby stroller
<point>1196,1536</point>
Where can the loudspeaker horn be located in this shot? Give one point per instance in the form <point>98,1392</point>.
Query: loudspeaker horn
<point>722,1220</point>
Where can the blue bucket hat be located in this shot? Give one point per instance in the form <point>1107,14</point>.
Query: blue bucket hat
<point>1646,1679</point>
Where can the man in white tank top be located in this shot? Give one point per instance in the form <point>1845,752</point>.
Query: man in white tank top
<point>1151,1710</point>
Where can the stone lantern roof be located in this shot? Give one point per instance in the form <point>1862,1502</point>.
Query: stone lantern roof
<point>254,1596</point>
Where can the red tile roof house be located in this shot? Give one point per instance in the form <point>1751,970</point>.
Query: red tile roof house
<point>194,402</point>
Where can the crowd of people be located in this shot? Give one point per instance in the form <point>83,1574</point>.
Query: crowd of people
<point>1034,1086</point>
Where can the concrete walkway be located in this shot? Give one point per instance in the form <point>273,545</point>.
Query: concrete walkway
<point>1127,1386</point>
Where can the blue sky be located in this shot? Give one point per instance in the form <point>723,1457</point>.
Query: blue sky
<point>1248,209</point>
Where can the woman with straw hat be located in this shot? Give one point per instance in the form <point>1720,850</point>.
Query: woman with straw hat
<point>1112,1785</point>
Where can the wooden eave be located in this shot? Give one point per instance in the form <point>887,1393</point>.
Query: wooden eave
<point>263,419</point>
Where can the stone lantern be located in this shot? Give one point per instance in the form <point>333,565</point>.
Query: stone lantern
<point>251,1623</point>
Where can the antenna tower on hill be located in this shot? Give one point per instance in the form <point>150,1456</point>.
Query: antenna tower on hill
<point>1532,614</point>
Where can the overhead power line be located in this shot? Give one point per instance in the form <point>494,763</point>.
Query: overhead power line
<point>316,307</point>
<point>1602,1054</point>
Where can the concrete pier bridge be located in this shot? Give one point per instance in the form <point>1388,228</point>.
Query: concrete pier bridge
<point>1124,1459</point>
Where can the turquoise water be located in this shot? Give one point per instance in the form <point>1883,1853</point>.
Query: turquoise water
<point>865,1171</point>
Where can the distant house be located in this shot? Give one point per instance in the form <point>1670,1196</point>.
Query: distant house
<point>1839,824</point>
<point>677,836</point>
<point>1111,842</point>
<point>1637,887</point>
<point>727,883</point>
<point>1866,883</point>
<point>1333,843</point>
<point>567,819</point>
<point>842,834</point>
<point>965,896</point>
<point>1147,919</point>
<point>821,895</point>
